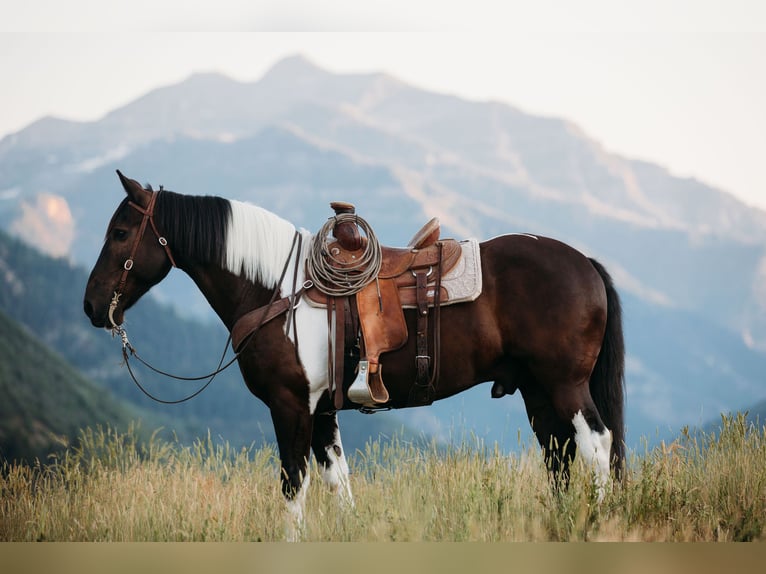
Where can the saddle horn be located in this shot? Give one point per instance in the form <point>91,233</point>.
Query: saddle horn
<point>346,232</point>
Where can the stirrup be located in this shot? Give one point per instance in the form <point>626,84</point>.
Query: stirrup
<point>359,391</point>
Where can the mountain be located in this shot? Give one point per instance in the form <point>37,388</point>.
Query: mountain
<point>689,260</point>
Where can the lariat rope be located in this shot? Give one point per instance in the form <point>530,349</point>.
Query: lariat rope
<point>344,278</point>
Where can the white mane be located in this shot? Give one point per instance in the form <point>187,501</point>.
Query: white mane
<point>257,243</point>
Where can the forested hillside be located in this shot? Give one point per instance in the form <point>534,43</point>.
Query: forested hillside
<point>45,402</point>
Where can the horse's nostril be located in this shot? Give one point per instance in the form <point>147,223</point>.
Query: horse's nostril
<point>88,308</point>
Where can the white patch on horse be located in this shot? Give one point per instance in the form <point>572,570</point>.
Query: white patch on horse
<point>336,474</point>
<point>311,326</point>
<point>312,346</point>
<point>595,449</point>
<point>295,508</point>
<point>257,243</point>
<point>535,237</point>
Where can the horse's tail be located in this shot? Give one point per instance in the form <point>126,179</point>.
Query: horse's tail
<point>608,378</point>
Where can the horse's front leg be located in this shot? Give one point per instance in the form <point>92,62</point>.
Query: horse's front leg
<point>331,457</point>
<point>293,427</point>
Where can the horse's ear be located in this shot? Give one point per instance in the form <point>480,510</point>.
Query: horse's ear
<point>136,193</point>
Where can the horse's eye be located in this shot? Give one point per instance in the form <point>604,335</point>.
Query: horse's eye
<point>119,234</point>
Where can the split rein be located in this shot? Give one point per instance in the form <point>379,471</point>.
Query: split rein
<point>129,351</point>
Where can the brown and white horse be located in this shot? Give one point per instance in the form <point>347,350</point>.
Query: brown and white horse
<point>547,323</point>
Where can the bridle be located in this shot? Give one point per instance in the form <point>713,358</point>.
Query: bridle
<point>148,217</point>
<point>128,350</point>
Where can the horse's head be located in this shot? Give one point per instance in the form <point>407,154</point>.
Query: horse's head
<point>134,258</point>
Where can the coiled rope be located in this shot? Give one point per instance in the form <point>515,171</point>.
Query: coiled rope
<point>340,278</point>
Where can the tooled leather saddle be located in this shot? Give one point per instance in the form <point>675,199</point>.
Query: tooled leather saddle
<point>371,321</point>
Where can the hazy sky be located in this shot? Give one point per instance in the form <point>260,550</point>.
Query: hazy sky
<point>679,83</point>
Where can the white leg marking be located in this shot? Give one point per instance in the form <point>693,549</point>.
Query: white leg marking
<point>595,449</point>
<point>295,508</point>
<point>335,474</point>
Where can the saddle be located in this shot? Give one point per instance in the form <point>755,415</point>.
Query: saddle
<point>371,321</point>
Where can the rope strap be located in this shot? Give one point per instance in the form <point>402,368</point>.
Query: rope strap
<point>343,279</point>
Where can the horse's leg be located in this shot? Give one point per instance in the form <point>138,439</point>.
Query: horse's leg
<point>293,427</point>
<point>594,442</point>
<point>331,457</point>
<point>566,421</point>
<point>556,437</point>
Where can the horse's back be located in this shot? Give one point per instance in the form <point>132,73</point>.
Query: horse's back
<point>537,257</point>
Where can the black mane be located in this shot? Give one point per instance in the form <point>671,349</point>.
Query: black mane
<point>195,226</point>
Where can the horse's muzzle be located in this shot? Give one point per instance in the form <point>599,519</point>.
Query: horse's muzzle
<point>96,319</point>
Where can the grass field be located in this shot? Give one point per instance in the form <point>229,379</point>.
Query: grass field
<point>110,487</point>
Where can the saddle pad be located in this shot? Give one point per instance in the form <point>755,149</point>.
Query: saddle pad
<point>463,283</point>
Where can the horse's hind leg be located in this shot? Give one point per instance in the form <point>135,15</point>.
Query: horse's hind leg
<point>568,423</point>
<point>594,441</point>
<point>556,437</point>
<point>574,403</point>
<point>328,450</point>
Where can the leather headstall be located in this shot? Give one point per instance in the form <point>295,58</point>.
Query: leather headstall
<point>148,216</point>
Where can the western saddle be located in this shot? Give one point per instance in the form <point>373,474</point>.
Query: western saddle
<point>408,277</point>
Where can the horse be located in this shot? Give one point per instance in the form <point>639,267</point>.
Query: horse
<point>547,323</point>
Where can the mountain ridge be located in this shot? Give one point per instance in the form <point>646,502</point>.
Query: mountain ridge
<point>241,99</point>
<point>428,172</point>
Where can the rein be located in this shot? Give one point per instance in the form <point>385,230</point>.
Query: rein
<point>127,348</point>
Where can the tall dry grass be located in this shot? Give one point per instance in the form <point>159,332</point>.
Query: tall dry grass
<point>110,487</point>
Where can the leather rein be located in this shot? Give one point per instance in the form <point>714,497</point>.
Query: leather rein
<point>279,306</point>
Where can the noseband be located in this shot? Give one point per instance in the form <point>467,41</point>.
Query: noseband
<point>148,216</point>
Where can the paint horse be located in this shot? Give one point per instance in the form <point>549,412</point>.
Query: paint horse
<point>547,323</point>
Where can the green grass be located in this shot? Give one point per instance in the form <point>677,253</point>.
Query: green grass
<point>112,487</point>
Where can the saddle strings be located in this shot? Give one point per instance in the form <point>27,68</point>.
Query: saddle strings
<point>344,279</point>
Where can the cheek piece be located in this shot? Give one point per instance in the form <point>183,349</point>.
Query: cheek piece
<point>148,216</point>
